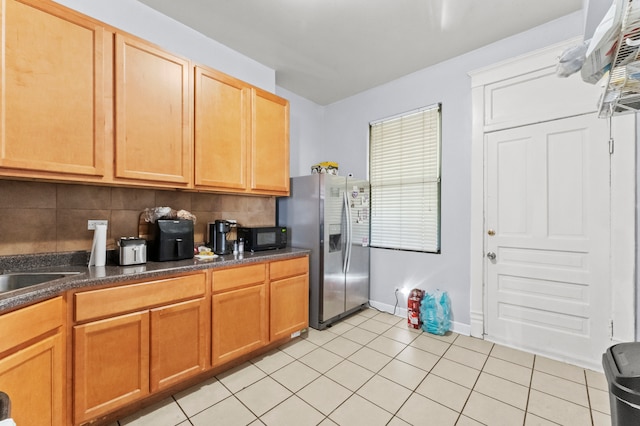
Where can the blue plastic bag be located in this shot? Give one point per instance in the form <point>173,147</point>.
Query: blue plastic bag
<point>435,310</point>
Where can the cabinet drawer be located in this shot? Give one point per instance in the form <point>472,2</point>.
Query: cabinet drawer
<point>240,276</point>
<point>288,268</point>
<point>27,323</point>
<point>116,300</point>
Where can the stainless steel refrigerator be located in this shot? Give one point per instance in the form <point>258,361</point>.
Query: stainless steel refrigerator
<point>329,215</point>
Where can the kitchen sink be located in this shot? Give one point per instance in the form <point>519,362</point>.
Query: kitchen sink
<point>16,280</point>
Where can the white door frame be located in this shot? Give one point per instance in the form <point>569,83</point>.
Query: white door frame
<point>623,180</point>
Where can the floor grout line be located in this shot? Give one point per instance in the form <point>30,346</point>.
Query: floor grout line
<point>384,347</point>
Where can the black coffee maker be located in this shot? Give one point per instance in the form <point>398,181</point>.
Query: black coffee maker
<point>218,236</point>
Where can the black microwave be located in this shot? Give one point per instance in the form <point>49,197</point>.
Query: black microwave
<point>263,238</point>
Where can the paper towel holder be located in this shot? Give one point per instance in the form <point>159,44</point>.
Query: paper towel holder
<point>98,255</point>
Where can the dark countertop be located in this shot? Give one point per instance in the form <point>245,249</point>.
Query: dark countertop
<point>100,275</point>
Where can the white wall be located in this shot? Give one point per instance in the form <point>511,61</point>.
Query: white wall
<point>142,21</point>
<point>346,138</point>
<point>306,132</point>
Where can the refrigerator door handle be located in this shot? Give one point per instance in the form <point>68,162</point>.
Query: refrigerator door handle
<point>349,233</point>
<point>346,243</point>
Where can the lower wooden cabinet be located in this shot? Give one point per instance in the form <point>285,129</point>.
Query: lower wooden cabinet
<point>111,364</point>
<point>239,323</point>
<point>32,363</point>
<point>132,340</point>
<point>127,356</point>
<point>289,297</point>
<point>289,307</point>
<point>239,317</point>
<point>257,304</point>
<point>178,342</point>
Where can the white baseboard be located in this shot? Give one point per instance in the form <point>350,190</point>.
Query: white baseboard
<point>461,328</point>
<point>456,327</point>
<point>477,324</point>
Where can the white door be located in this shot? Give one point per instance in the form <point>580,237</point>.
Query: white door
<point>547,222</point>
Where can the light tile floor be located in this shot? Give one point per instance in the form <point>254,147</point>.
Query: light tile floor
<point>370,369</point>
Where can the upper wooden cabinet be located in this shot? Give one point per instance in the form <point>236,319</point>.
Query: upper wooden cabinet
<point>221,124</point>
<point>241,136</point>
<point>153,130</point>
<point>81,101</point>
<point>54,72</point>
<point>269,143</point>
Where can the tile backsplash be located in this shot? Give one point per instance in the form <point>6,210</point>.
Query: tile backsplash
<point>42,217</point>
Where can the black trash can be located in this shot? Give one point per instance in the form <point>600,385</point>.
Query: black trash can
<point>621,365</point>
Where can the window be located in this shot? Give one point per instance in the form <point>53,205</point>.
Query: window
<point>405,181</point>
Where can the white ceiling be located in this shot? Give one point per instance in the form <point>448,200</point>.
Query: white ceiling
<point>327,50</point>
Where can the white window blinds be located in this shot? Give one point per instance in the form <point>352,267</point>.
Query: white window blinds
<point>405,181</point>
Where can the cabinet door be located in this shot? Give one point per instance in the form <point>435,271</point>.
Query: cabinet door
<point>289,309</point>
<point>33,366</point>
<point>34,378</point>
<point>221,116</point>
<point>178,342</point>
<point>153,141</point>
<point>269,144</point>
<point>239,322</point>
<point>52,93</point>
<point>111,364</point>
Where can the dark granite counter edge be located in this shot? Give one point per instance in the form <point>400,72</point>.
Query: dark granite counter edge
<point>88,277</point>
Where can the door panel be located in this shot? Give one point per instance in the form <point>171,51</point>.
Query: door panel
<point>335,238</point>
<point>33,378</point>
<point>111,364</point>
<point>547,199</point>
<point>357,277</point>
<point>153,140</point>
<point>269,143</point>
<point>52,85</point>
<point>221,112</point>
<point>288,311</point>
<point>178,342</point>
<point>239,322</point>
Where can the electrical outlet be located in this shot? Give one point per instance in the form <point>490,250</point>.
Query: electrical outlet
<point>91,225</point>
<point>403,291</point>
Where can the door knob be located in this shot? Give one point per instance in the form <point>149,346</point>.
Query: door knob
<point>491,256</point>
